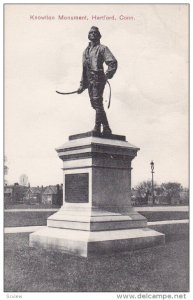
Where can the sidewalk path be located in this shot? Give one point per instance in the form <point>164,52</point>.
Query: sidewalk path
<point>168,222</point>
<point>162,208</point>
<point>31,209</point>
<point>22,229</point>
<point>34,228</point>
<point>143,208</point>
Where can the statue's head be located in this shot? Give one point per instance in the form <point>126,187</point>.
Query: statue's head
<point>94,34</point>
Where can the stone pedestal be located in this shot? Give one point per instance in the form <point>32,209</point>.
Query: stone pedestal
<point>96,216</point>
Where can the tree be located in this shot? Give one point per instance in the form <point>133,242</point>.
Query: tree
<point>144,187</point>
<point>144,190</point>
<point>5,169</point>
<point>172,190</point>
<point>159,190</point>
<point>19,192</point>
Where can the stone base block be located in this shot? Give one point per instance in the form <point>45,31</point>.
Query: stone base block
<point>87,243</point>
<point>94,219</point>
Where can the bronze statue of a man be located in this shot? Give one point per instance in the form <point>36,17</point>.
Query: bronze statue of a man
<point>94,78</point>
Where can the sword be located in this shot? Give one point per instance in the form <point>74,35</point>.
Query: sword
<point>109,94</point>
<point>75,92</point>
<point>61,93</point>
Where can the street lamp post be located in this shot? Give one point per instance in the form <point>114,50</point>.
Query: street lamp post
<point>152,184</point>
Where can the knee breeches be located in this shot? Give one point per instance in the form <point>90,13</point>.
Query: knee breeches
<point>95,90</point>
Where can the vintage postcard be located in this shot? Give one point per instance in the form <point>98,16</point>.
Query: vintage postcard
<point>96,149</point>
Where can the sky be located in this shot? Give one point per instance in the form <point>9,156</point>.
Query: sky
<point>149,90</point>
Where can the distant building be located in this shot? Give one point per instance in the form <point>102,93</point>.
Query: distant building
<point>8,193</point>
<point>23,180</point>
<point>160,196</point>
<point>15,193</point>
<point>6,170</point>
<point>52,195</point>
<point>161,199</point>
<point>184,197</point>
<point>138,198</point>
<point>34,195</point>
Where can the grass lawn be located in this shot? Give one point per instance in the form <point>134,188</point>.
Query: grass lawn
<point>164,215</point>
<point>162,268</point>
<point>27,218</point>
<point>33,206</point>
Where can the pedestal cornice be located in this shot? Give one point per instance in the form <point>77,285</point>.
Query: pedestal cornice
<point>96,147</point>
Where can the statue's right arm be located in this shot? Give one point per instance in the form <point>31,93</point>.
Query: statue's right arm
<point>84,81</point>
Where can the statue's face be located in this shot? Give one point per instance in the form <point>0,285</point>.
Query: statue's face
<point>93,35</point>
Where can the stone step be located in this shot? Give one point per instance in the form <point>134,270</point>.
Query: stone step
<point>87,243</point>
<point>95,220</point>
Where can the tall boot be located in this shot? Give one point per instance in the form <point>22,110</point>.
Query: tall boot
<point>97,127</point>
<point>106,128</point>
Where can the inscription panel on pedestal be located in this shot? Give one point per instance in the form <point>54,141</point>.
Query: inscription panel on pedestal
<point>76,188</point>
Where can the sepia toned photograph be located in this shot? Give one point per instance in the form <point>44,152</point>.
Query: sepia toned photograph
<point>96,148</point>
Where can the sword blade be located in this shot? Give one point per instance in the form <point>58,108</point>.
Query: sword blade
<point>61,93</point>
